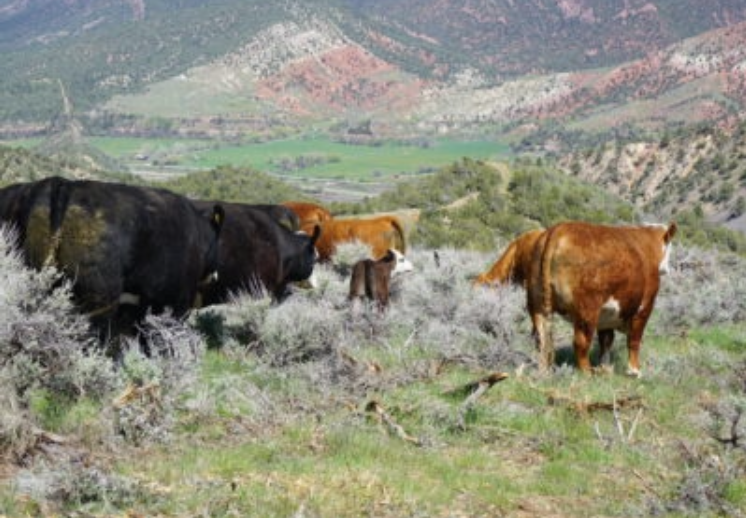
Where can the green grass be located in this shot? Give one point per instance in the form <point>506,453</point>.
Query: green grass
<point>518,450</point>
<point>340,161</point>
<point>525,447</point>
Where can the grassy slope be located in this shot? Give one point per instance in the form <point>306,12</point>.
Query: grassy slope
<point>523,449</point>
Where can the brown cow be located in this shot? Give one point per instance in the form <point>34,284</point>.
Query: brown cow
<point>380,233</point>
<point>514,264</point>
<point>372,279</point>
<point>310,214</point>
<point>600,278</point>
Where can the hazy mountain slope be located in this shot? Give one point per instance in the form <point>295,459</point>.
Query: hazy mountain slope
<point>386,56</point>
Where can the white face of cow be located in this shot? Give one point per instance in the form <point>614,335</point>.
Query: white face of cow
<point>401,263</point>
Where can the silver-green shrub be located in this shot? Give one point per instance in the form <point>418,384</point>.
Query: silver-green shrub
<point>45,347</point>
<point>704,287</point>
<point>160,366</point>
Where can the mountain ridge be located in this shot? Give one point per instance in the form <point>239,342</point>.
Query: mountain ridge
<point>384,56</point>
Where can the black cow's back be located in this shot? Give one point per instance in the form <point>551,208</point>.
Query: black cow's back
<point>128,249</point>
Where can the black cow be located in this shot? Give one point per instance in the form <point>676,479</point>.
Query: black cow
<point>127,249</point>
<point>258,254</point>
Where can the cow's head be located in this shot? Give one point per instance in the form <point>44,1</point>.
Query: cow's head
<point>302,270</point>
<point>400,264</point>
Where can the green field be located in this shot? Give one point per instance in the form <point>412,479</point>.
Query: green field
<point>322,157</point>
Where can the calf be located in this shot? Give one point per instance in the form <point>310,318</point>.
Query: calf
<point>372,279</point>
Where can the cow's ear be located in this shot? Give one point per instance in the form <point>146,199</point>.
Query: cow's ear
<point>218,217</point>
<point>671,231</point>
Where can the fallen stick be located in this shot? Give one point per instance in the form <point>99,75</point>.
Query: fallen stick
<point>375,407</point>
<point>583,407</point>
<point>475,390</point>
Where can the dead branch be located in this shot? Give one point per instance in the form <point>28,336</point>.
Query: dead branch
<point>633,427</point>
<point>474,390</point>
<point>375,407</point>
<point>735,437</point>
<point>150,392</point>
<point>585,407</point>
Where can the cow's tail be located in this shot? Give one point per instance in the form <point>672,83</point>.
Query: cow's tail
<point>59,198</point>
<point>545,272</point>
<point>401,240</point>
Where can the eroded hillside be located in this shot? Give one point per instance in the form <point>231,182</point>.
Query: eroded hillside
<point>703,170</point>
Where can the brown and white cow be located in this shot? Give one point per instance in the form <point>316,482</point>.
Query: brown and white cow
<point>380,233</point>
<point>600,278</point>
<point>372,279</point>
<point>514,264</point>
<point>309,214</point>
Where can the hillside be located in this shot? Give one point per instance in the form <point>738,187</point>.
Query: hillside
<point>20,165</point>
<point>702,171</point>
<point>230,68</point>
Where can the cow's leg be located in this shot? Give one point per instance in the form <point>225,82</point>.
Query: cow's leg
<point>544,344</point>
<point>605,341</point>
<point>634,342</point>
<point>582,344</point>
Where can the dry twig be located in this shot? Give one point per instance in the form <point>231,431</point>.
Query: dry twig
<point>375,407</point>
<point>473,391</point>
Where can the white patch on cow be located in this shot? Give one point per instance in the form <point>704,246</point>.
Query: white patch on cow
<point>402,265</point>
<point>311,283</point>
<point>610,315</point>
<point>129,298</point>
<point>665,267</point>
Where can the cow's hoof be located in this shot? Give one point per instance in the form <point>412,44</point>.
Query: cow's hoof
<point>634,373</point>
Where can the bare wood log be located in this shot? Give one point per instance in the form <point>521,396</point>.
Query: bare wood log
<point>376,408</point>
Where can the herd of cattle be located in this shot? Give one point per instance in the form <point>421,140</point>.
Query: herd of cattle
<point>129,250</point>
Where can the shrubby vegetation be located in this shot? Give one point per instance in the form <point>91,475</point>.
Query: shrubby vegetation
<point>229,183</point>
<point>21,165</point>
<point>473,205</point>
<point>292,384</point>
<point>55,379</point>
<point>310,381</point>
